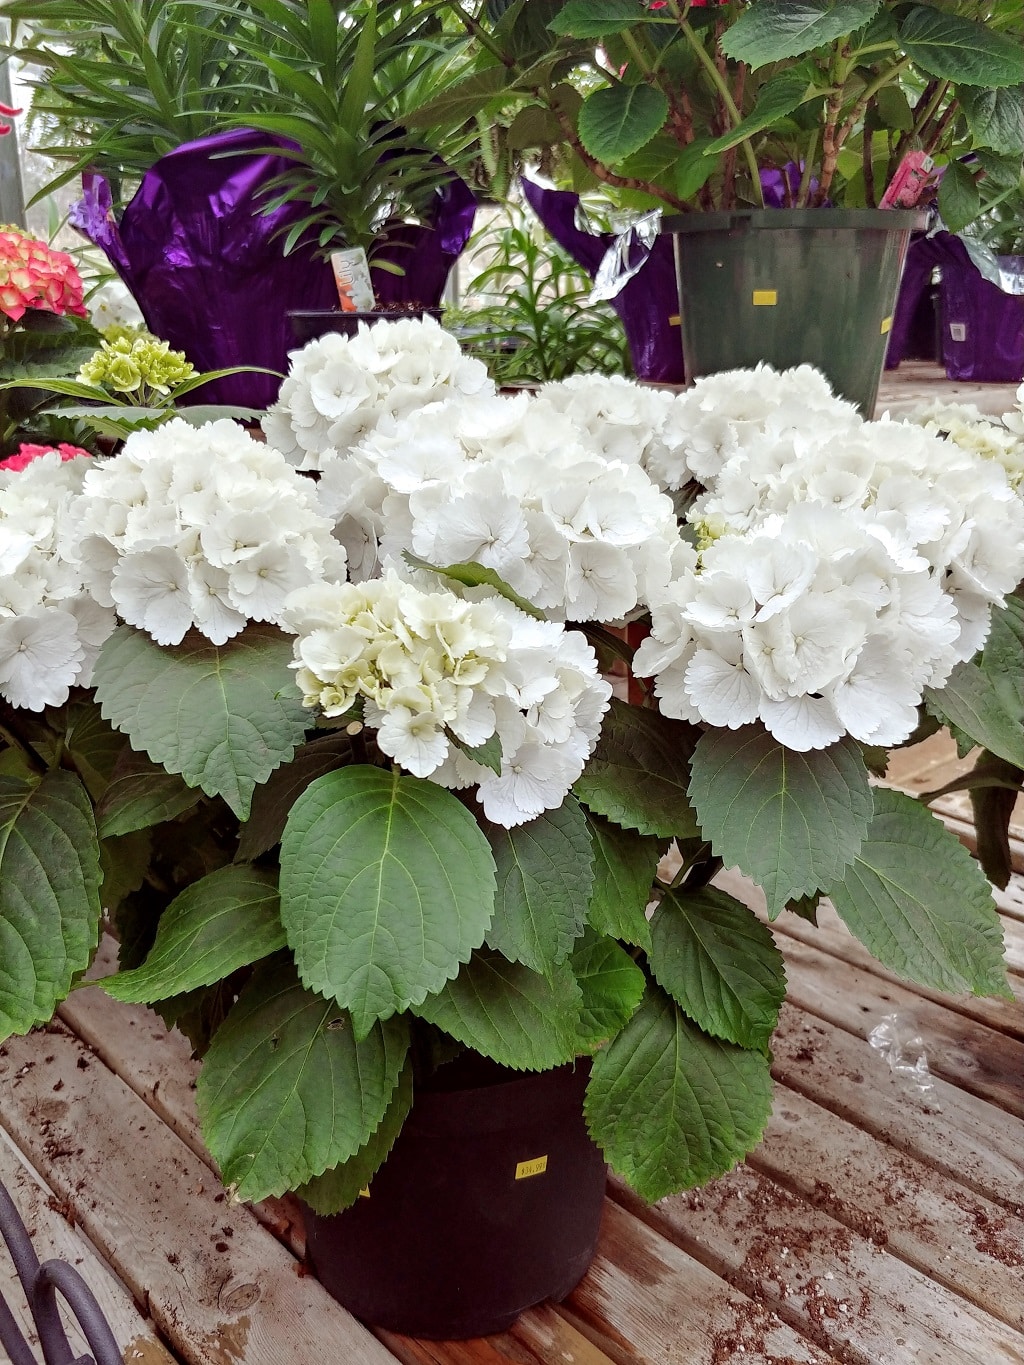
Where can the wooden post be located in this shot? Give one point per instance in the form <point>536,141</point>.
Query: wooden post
<point>12,198</point>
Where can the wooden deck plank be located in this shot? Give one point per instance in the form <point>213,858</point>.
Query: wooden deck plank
<point>54,1237</point>
<point>199,1264</point>
<point>965,1138</point>
<point>972,1056</point>
<point>857,1300</point>
<point>832,936</point>
<point>646,1300</point>
<point>972,1246</point>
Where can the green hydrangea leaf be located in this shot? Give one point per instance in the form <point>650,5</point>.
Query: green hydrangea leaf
<point>791,821</point>
<point>140,794</point>
<point>612,986</point>
<point>49,895</point>
<point>775,100</point>
<point>340,1187</point>
<point>975,702</point>
<point>387,885</point>
<point>995,117</point>
<point>224,716</point>
<point>624,866</point>
<point>272,801</point>
<point>545,870</point>
<point>959,198</point>
<point>672,1108</point>
<point>618,120</point>
<point>719,963</point>
<point>918,901</point>
<point>955,48</point>
<point>227,920</point>
<point>639,775</point>
<point>585,19</point>
<point>517,1017</point>
<point>774,30</point>
<point>287,1091</point>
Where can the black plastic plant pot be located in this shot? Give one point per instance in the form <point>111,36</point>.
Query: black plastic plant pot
<point>791,287</point>
<point>489,1202</point>
<point>309,323</point>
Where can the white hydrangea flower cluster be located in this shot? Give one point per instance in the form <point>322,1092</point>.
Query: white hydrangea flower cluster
<point>514,484</point>
<point>441,671</point>
<point>1001,440</point>
<point>839,576</point>
<point>338,387</point>
<point>199,527</point>
<point>709,423</point>
<point>50,628</point>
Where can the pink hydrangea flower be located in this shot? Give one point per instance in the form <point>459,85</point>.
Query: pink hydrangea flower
<point>33,275</point>
<point>27,452</point>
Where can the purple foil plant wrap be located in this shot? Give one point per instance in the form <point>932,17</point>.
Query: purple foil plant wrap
<point>206,265</point>
<point>648,300</point>
<point>982,327</point>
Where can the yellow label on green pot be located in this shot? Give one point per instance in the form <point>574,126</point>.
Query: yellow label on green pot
<point>765,298</point>
<point>886,325</point>
<point>537,1166</point>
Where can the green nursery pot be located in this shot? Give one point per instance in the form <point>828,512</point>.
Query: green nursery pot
<point>791,287</point>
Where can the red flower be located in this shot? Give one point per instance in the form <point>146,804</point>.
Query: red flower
<point>33,275</point>
<point>27,453</point>
<point>6,109</point>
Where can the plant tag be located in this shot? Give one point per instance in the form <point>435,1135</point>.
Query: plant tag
<point>352,276</point>
<point>537,1166</point>
<point>765,298</point>
<point>908,184</point>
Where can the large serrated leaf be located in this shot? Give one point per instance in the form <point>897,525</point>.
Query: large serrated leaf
<point>585,19</point>
<point>340,1187</point>
<point>272,801</point>
<point>227,920</point>
<point>224,716</point>
<point>624,866</point>
<point>612,986</point>
<point>545,870</point>
<point>517,1017</point>
<point>141,793</point>
<point>287,1091</point>
<point>639,775</point>
<point>919,902</point>
<point>955,48</point>
<point>774,30</point>
<point>791,821</point>
<point>719,963</point>
<point>49,895</point>
<point>672,1108</point>
<point>959,197</point>
<point>1002,659</point>
<point>974,701</point>
<point>995,117</point>
<point>618,120</point>
<point>387,885</point>
<point>778,98</point>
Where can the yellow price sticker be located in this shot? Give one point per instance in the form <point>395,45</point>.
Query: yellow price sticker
<point>537,1166</point>
<point>765,298</point>
<point>886,325</point>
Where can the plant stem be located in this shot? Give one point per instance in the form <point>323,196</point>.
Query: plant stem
<point>725,93</point>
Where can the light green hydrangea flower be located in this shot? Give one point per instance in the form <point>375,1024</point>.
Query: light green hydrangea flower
<point>138,370</point>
